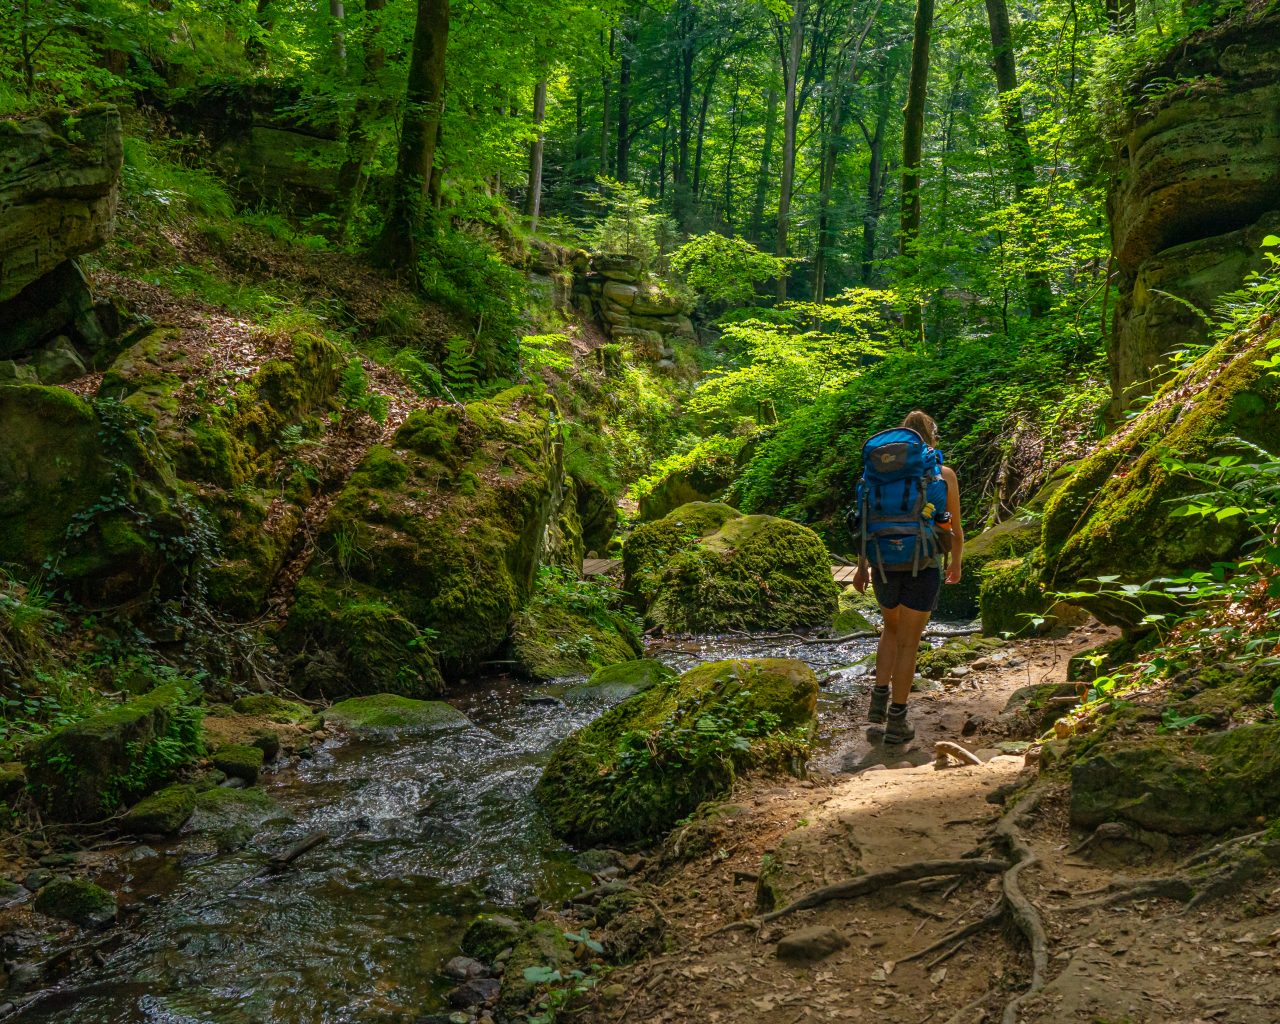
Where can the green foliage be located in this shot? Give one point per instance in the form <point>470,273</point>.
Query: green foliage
<point>630,226</point>
<point>725,270</point>
<point>546,351</point>
<point>715,452</point>
<point>356,395</point>
<point>460,370</point>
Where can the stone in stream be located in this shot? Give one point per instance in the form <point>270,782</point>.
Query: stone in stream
<point>811,944</point>
<point>77,901</point>
<point>385,714</point>
<point>162,813</point>
<point>614,683</point>
<point>464,968</point>
<point>489,934</point>
<point>476,992</point>
<point>239,761</point>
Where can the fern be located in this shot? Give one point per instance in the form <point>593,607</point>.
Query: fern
<point>460,367</point>
<point>354,393</point>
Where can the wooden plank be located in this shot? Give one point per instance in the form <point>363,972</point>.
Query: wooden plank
<point>600,566</point>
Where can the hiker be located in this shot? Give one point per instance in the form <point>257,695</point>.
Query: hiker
<point>908,518</point>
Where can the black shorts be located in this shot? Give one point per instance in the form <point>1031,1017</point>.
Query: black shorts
<point>918,592</point>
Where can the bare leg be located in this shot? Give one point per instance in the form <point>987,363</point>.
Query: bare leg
<point>887,652</point>
<point>908,629</point>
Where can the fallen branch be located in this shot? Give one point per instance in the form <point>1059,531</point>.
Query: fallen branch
<point>291,853</point>
<point>945,748</point>
<point>852,888</point>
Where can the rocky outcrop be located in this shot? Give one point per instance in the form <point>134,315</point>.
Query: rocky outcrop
<point>1112,517</point>
<point>1197,188</point>
<point>59,183</point>
<point>634,772</point>
<point>430,549</point>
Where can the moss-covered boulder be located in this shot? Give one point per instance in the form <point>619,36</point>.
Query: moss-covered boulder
<point>541,944</point>
<point>386,714</point>
<point>229,818</point>
<point>162,813</point>
<point>1015,601</point>
<point>1181,785</point>
<point>87,770</point>
<point>936,662</point>
<point>618,682</point>
<point>489,934</point>
<point>274,708</point>
<point>570,629</point>
<point>103,515</point>
<point>651,760</point>
<point>78,901</point>
<point>706,568</point>
<point>442,531</point>
<point>851,612</point>
<point>1112,517</point>
<point>239,761</point>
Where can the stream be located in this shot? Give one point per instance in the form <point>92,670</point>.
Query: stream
<point>424,832</point>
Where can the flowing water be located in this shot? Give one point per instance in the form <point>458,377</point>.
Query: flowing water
<point>424,832</point>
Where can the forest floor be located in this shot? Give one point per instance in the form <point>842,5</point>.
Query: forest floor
<point>1147,961</point>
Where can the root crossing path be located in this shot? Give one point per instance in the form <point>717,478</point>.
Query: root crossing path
<point>946,908</point>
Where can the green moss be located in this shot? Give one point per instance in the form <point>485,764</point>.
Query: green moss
<point>552,639</point>
<point>162,813</point>
<point>541,944</point>
<point>1113,515</point>
<point>604,783</point>
<point>651,546</point>
<point>1181,785</point>
<point>84,771</point>
<point>850,617</point>
<point>755,572</point>
<point>457,565</point>
<point>385,713</point>
<point>489,934</point>
<point>938,661</point>
<point>239,761</point>
<point>1012,591</point>
<point>618,682</point>
<point>77,901</point>
<point>274,708</point>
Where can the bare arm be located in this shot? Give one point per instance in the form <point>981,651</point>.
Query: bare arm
<point>957,530</point>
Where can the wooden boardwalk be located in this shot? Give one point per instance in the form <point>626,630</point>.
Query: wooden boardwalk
<point>604,566</point>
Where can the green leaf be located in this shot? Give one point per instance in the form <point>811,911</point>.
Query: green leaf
<point>1228,513</point>
<point>540,974</point>
<point>1270,240</point>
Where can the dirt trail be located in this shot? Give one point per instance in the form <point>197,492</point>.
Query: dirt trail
<point>1146,962</point>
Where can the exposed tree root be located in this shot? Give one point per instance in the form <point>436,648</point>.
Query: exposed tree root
<point>1208,875</point>
<point>1023,911</point>
<point>852,888</point>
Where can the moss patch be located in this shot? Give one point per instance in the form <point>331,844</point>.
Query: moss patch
<point>938,661</point>
<point>606,783</point>
<point>752,572</point>
<point>274,708</point>
<point>618,682</point>
<point>162,813</point>
<point>551,641</point>
<point>1112,515</point>
<point>239,761</point>
<point>85,771</point>
<point>77,901</point>
<point>384,713</point>
<point>651,546</point>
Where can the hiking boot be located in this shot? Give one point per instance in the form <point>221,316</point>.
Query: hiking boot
<point>898,730</point>
<point>879,706</point>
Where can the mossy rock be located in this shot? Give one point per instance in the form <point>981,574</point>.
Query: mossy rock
<point>489,934</point>
<point>603,785</point>
<point>84,771</point>
<point>1226,693</point>
<point>78,901</point>
<point>274,708</point>
<point>936,662</point>
<point>1015,603</point>
<point>618,682</point>
<point>551,641</point>
<point>231,817</point>
<point>389,714</point>
<point>706,481</point>
<point>1037,707</point>
<point>650,547</point>
<point>239,761</point>
<point>442,531</point>
<point>1113,515</point>
<point>1181,785</point>
<point>850,612</point>
<point>754,572</point>
<point>102,512</point>
<point>13,780</point>
<point>542,944</point>
<point>162,813</point>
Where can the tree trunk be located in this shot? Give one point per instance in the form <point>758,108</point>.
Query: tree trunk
<point>338,13</point>
<point>680,178</point>
<point>727,204</point>
<point>702,131</point>
<point>791,73</point>
<point>533,197</point>
<point>606,81</point>
<point>766,156</point>
<point>622,165</point>
<point>1039,294</point>
<point>913,150</point>
<point>360,142</point>
<point>424,101</point>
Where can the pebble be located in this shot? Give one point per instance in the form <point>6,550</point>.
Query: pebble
<point>464,968</point>
<point>960,671</point>
<point>37,879</point>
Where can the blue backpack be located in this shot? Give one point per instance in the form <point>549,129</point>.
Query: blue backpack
<point>901,501</point>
